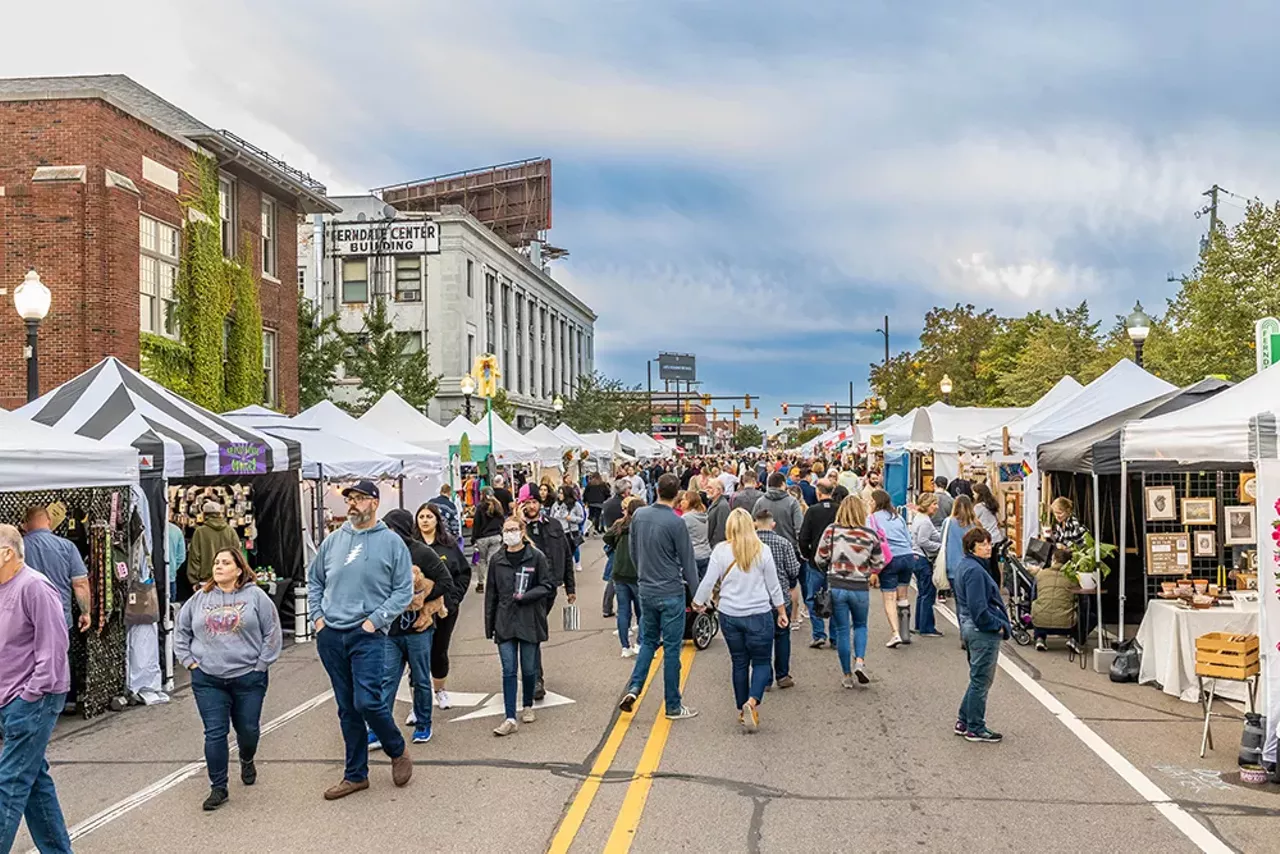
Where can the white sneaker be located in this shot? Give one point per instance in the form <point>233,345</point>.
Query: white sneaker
<point>577,567</point>
<point>635,648</point>
<point>507,727</point>
<point>442,699</point>
<point>629,652</point>
<point>412,719</point>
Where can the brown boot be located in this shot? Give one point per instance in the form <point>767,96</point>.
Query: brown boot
<point>401,769</point>
<point>346,787</point>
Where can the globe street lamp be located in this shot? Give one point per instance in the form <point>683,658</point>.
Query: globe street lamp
<point>468,387</point>
<point>558,406</point>
<point>1138,325</point>
<point>945,385</point>
<point>32,299</point>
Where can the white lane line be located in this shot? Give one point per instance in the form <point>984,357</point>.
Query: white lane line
<point>1197,833</point>
<point>186,772</point>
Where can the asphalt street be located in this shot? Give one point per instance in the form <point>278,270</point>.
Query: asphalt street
<point>1085,766</point>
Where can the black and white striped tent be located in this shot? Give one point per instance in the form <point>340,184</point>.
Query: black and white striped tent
<point>175,438</point>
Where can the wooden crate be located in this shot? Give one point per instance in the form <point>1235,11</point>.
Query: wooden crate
<point>1226,656</point>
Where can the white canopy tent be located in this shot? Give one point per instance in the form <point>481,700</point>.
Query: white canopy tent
<point>551,448</point>
<point>417,462</point>
<point>509,446</point>
<point>602,452</point>
<point>617,449</point>
<point>939,426</point>
<point>33,456</point>
<point>896,432</point>
<point>646,448</point>
<point>325,454</point>
<point>991,440</point>
<point>393,415</point>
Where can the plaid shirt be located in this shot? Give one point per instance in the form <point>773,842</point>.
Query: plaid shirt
<point>784,557</point>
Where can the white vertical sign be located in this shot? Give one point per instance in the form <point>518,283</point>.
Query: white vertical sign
<point>1268,522</point>
<point>1266,333</point>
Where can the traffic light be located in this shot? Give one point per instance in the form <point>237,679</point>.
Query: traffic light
<point>827,407</point>
<point>777,422</point>
<point>706,400</point>
<point>688,419</point>
<point>784,409</point>
<point>737,413</point>
<point>755,413</point>
<point>746,402</point>
<point>688,407</point>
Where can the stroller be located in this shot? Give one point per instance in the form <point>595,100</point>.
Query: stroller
<point>1021,587</point>
<point>700,628</point>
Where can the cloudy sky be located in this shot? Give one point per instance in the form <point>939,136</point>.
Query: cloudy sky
<point>753,185</point>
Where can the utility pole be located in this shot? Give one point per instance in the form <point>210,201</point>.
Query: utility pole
<point>649,371</point>
<point>1212,209</point>
<point>851,408</point>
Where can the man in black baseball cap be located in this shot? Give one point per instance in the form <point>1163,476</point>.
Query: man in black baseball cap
<point>364,487</point>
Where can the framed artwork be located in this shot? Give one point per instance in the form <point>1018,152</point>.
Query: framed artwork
<point>1205,544</point>
<point>1248,493</point>
<point>1160,504</point>
<point>1240,525</point>
<point>1199,511</point>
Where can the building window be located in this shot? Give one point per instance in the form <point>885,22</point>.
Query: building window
<point>269,389</point>
<point>519,344</point>
<point>410,342</point>
<point>409,278</point>
<point>506,335</point>
<point>158,276</point>
<point>355,280</point>
<point>543,385</point>
<point>269,263</point>
<point>470,281</point>
<point>471,351</point>
<point>490,285</point>
<point>302,277</point>
<point>227,216</point>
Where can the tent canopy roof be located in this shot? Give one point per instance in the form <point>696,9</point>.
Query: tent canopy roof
<point>1234,427</point>
<point>1124,385</point>
<point>325,454</point>
<point>329,418</point>
<point>393,415</point>
<point>1095,449</point>
<point>992,439</point>
<point>33,456</point>
<point>939,426</point>
<point>551,448</point>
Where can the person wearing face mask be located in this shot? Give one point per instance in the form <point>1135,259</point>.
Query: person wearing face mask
<point>360,580</point>
<point>519,582</point>
<point>228,636</point>
<point>548,536</point>
<point>34,680</point>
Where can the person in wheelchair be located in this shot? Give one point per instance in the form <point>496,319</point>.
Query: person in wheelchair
<point>1053,607</point>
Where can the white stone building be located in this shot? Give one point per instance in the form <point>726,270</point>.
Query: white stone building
<point>476,294</point>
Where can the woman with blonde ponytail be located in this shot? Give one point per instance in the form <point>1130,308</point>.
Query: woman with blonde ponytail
<point>742,584</point>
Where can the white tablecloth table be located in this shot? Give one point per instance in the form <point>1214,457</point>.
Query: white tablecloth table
<point>1168,638</point>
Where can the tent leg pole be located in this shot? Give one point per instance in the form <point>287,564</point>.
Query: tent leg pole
<point>1124,518</point>
<point>401,491</point>
<point>1097,553</point>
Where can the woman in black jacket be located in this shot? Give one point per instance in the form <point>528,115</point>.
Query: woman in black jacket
<point>514,616</point>
<point>434,532</point>
<point>594,496</point>
<point>486,530</point>
<point>411,634</point>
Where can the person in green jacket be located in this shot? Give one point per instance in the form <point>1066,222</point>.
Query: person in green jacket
<point>1053,611</point>
<point>210,537</point>
<point>626,578</point>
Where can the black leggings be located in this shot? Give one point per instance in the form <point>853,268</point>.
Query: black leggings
<point>440,645</point>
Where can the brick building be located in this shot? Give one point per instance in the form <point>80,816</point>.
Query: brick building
<point>91,173</point>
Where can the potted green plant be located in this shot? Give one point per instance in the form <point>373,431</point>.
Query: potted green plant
<point>1085,568</point>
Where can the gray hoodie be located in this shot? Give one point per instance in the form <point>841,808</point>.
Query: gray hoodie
<point>717,516</point>
<point>786,514</point>
<point>360,575</point>
<point>696,522</point>
<point>228,634</point>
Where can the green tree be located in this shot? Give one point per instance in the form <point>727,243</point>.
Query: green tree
<point>1066,343</point>
<point>376,354</point>
<point>503,407</point>
<point>901,383</point>
<point>799,437</point>
<point>951,343</point>
<point>600,403</point>
<point>1236,281</point>
<point>748,436</point>
<point>319,353</point>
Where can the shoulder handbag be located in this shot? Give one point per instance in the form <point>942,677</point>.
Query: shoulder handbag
<point>142,606</point>
<point>715,591</point>
<point>940,579</point>
<point>821,606</point>
<point>885,551</point>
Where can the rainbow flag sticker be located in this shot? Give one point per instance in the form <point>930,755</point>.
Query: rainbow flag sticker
<point>1026,469</point>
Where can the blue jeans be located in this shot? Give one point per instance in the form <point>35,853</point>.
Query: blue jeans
<point>356,662</point>
<point>628,601</point>
<point>702,564</point>
<point>661,621</point>
<point>782,643</point>
<point>25,785</point>
<point>414,648</point>
<point>225,704</point>
<point>817,578</point>
<point>750,642</point>
<point>926,597</point>
<point>511,652</point>
<point>984,654</point>
<point>849,607</point>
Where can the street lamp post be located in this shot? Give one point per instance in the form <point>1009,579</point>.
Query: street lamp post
<point>945,385</point>
<point>468,387</point>
<point>1138,325</point>
<point>558,406</point>
<point>31,299</point>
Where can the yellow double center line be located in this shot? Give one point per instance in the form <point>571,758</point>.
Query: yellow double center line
<point>624,827</point>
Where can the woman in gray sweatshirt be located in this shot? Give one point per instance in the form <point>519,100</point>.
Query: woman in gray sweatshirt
<point>228,635</point>
<point>695,519</point>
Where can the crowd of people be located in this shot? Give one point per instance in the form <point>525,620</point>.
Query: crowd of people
<point>767,542</point>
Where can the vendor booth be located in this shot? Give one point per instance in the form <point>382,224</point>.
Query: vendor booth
<point>184,454</point>
<point>393,416</point>
<point>87,486</point>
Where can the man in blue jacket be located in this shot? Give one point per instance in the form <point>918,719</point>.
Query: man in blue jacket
<point>987,625</point>
<point>360,581</point>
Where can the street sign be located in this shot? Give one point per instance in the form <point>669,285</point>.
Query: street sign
<point>677,366</point>
<point>1266,342</point>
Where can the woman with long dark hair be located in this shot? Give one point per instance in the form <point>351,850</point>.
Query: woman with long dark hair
<point>228,636</point>
<point>432,530</point>
<point>594,496</point>
<point>960,522</point>
<point>571,515</point>
<point>987,511</point>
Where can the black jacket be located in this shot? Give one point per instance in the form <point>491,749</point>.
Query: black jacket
<point>505,498</point>
<point>459,570</point>
<point>433,567</point>
<point>549,538</point>
<point>612,511</point>
<point>595,494</point>
<point>506,617</point>
<point>483,525</point>
<point>816,520</point>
